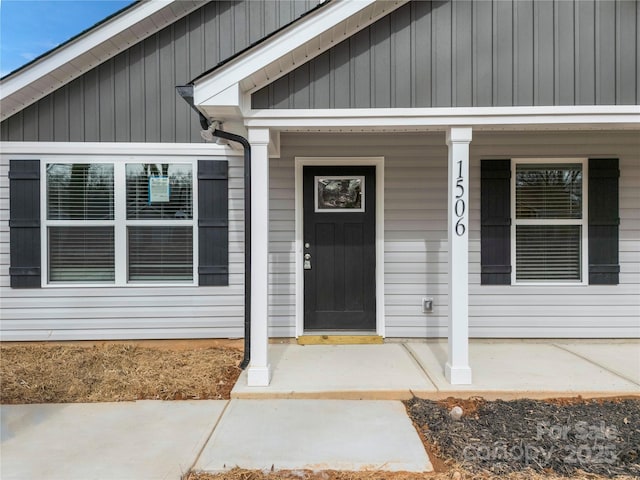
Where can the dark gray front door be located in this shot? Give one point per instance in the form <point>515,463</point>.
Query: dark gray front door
<point>339,248</point>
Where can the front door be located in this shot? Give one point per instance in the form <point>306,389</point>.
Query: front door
<point>339,251</point>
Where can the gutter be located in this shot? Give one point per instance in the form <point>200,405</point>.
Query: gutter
<point>211,129</point>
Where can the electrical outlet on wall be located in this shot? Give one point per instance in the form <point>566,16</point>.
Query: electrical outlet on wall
<point>427,305</point>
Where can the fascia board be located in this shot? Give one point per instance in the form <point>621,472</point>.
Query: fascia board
<point>597,116</point>
<point>282,44</point>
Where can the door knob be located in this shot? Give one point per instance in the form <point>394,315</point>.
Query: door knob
<point>307,261</point>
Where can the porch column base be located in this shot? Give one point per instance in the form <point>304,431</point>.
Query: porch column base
<point>259,376</point>
<point>457,375</point>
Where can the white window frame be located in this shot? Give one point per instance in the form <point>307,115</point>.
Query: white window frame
<point>120,222</point>
<point>583,222</point>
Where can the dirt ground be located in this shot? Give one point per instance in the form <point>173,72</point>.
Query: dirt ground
<point>107,372</point>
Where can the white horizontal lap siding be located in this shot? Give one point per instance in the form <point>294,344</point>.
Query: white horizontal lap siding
<point>415,222</point>
<point>416,240</point>
<point>560,311</point>
<point>77,313</point>
<point>282,298</point>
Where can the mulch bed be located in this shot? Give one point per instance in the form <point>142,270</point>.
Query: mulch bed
<point>453,474</point>
<point>114,372</point>
<point>576,437</point>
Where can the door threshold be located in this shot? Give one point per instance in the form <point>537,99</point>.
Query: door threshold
<point>355,338</point>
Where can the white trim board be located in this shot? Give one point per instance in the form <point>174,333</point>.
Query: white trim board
<point>440,119</point>
<point>117,148</point>
<point>378,162</point>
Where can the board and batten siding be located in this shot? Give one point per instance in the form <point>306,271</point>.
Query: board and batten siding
<point>131,97</point>
<point>77,313</point>
<point>416,237</point>
<point>476,53</point>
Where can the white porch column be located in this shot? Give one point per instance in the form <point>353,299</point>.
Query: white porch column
<point>259,372</point>
<point>457,370</point>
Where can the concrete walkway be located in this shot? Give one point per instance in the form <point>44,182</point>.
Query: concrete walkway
<point>154,440</point>
<point>163,440</point>
<point>315,435</point>
<point>104,441</point>
<point>504,369</point>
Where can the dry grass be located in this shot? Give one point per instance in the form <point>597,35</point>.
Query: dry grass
<point>39,373</point>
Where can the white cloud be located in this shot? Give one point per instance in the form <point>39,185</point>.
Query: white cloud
<point>28,56</point>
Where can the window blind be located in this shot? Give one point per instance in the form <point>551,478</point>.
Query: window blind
<point>159,191</point>
<point>160,253</point>
<point>80,191</point>
<point>81,254</point>
<point>549,191</point>
<point>548,252</point>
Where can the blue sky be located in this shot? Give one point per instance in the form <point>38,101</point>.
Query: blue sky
<point>29,28</point>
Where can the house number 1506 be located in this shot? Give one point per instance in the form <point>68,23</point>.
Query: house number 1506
<point>460,207</point>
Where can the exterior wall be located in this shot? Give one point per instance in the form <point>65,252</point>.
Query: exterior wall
<point>415,255</point>
<point>416,237</point>
<point>132,97</point>
<point>126,312</point>
<point>480,53</point>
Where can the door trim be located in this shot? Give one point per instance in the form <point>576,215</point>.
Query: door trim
<point>377,162</point>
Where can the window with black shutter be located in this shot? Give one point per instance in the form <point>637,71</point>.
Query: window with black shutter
<point>535,219</point>
<point>117,223</point>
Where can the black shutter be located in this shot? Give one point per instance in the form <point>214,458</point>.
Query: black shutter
<point>213,222</point>
<point>24,223</point>
<point>604,221</point>
<point>495,225</point>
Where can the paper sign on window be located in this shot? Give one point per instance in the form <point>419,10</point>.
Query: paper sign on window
<point>158,189</point>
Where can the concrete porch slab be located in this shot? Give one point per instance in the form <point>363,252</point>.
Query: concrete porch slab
<point>620,358</point>
<point>104,441</point>
<point>314,435</point>
<point>373,372</point>
<point>521,369</point>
